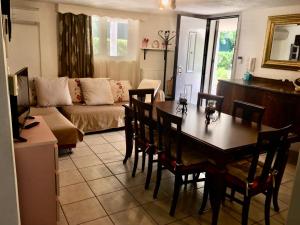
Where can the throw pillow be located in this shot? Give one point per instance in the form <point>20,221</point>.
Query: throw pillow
<point>120,89</point>
<point>96,91</point>
<point>52,92</point>
<point>75,90</point>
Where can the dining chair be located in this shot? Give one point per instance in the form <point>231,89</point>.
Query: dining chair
<point>145,137</point>
<point>219,100</point>
<point>254,177</point>
<point>248,112</point>
<point>141,94</point>
<point>178,156</point>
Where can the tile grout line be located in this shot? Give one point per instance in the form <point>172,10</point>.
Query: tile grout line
<point>127,189</point>
<point>64,214</point>
<point>95,196</point>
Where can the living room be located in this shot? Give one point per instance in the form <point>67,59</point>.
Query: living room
<point>99,180</point>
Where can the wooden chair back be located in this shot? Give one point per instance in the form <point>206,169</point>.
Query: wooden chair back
<point>219,100</point>
<point>169,133</point>
<point>248,112</point>
<point>276,146</point>
<point>140,95</point>
<point>143,121</point>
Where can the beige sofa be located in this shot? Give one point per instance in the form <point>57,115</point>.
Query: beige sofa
<point>67,134</point>
<point>70,123</point>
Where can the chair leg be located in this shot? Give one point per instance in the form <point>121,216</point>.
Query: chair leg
<point>245,212</point>
<point>143,161</point>
<point>186,179</point>
<point>268,206</point>
<point>204,198</point>
<point>232,194</point>
<point>158,178</point>
<point>136,159</point>
<point>149,172</point>
<point>275,197</point>
<point>195,177</point>
<point>177,184</point>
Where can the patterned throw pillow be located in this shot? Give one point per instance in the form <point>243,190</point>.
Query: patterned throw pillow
<point>120,89</point>
<point>75,90</point>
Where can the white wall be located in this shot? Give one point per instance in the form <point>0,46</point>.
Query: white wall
<point>252,40</point>
<point>293,213</point>
<point>45,15</point>
<point>152,67</point>
<point>9,208</point>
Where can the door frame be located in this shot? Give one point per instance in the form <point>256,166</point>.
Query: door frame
<point>209,18</point>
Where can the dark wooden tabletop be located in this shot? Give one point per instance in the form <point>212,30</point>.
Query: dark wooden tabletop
<point>226,134</point>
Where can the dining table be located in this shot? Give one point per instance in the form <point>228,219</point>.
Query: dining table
<point>223,139</point>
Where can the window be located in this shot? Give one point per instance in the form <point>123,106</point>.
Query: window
<point>117,37</point>
<point>96,34</point>
<point>110,37</point>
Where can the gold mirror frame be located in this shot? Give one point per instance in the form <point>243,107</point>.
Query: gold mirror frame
<point>278,64</point>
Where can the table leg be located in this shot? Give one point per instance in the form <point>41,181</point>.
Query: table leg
<point>216,188</point>
<point>128,134</point>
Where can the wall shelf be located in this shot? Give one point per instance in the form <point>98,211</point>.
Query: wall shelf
<point>154,49</point>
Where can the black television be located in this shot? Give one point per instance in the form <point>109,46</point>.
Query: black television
<point>20,103</point>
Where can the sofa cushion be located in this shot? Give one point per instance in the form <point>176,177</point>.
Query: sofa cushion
<point>95,118</point>
<point>120,89</point>
<point>52,92</point>
<point>96,91</point>
<point>65,132</point>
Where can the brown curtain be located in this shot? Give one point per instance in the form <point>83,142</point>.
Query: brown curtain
<point>75,45</point>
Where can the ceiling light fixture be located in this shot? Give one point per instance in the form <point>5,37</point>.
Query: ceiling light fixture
<point>167,4</point>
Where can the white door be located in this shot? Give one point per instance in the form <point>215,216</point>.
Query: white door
<point>190,55</point>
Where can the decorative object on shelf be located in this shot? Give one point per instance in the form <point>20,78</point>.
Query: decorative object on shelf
<point>165,36</point>
<point>155,44</point>
<point>210,111</point>
<point>182,104</point>
<point>167,4</point>
<point>247,76</point>
<point>297,84</point>
<point>145,42</point>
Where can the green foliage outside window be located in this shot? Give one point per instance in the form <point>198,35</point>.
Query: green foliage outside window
<point>225,54</point>
<point>96,45</point>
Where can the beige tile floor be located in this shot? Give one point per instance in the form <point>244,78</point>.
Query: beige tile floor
<point>97,189</point>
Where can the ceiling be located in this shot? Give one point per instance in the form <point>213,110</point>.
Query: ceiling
<point>189,6</point>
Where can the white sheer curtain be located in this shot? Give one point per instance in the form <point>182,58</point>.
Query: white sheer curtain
<point>110,59</point>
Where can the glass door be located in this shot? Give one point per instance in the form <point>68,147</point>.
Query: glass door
<point>190,57</point>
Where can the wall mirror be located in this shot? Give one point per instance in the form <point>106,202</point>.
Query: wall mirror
<point>282,44</point>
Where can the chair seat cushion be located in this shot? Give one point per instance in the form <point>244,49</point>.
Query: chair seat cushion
<point>146,143</point>
<point>237,174</point>
<point>190,157</point>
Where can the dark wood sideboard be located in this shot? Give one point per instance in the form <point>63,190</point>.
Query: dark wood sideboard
<point>279,98</point>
